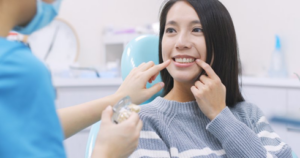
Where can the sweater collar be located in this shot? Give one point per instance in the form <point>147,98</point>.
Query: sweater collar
<point>176,107</point>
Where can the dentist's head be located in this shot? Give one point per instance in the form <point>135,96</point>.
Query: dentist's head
<point>39,13</point>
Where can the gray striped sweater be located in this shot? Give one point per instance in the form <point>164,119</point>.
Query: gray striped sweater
<point>174,129</point>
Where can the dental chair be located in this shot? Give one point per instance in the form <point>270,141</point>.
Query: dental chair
<point>139,50</point>
<point>142,49</point>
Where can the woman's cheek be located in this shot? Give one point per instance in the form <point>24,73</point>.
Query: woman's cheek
<point>166,52</point>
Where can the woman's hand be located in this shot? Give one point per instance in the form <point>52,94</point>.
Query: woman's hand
<point>135,83</point>
<point>117,140</point>
<point>209,92</point>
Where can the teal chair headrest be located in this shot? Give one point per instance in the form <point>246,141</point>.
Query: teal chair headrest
<point>142,49</point>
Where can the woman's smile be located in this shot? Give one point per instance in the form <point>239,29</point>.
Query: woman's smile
<point>184,60</point>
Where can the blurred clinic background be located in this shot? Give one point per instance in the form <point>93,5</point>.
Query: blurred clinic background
<point>256,22</point>
<point>83,50</point>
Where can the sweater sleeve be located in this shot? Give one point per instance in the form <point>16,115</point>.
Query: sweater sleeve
<point>151,143</point>
<point>239,140</point>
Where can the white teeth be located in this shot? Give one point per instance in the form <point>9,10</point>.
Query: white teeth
<point>184,60</point>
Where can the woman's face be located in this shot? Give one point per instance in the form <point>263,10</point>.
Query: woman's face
<point>183,42</point>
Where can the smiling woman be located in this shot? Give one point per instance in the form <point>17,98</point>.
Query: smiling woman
<point>211,38</point>
<point>202,112</point>
<point>182,40</point>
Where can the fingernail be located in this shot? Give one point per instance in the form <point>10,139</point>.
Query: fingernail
<point>198,60</point>
<point>162,84</point>
<point>108,108</point>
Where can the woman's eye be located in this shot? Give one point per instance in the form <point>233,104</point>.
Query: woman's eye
<point>197,30</point>
<point>170,30</point>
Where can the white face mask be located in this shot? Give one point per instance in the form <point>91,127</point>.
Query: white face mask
<point>44,16</point>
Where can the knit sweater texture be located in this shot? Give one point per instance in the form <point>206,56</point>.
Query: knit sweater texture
<point>181,130</point>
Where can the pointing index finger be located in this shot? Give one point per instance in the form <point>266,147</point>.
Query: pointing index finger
<point>209,71</point>
<point>156,69</point>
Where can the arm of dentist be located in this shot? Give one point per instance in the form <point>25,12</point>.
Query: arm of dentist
<point>76,118</point>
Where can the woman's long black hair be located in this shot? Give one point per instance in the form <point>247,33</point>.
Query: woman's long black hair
<point>221,44</point>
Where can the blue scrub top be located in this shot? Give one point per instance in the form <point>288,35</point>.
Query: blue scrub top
<point>29,125</point>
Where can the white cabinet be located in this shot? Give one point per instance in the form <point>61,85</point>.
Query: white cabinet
<point>270,100</point>
<point>294,132</point>
<point>73,92</point>
<point>276,96</point>
<point>294,100</point>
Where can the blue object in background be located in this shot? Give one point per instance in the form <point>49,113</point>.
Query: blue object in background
<point>294,155</point>
<point>285,120</point>
<point>142,49</point>
<point>139,50</point>
<point>92,139</point>
<point>278,67</point>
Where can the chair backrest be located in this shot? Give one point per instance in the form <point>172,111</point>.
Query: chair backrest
<point>141,49</point>
<point>294,155</point>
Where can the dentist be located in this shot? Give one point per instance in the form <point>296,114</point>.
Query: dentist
<point>30,126</point>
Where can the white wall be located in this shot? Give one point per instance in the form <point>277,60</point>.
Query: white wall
<point>89,17</point>
<point>256,23</point>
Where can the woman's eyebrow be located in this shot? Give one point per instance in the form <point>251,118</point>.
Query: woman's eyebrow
<point>195,22</point>
<point>191,23</point>
<point>171,23</point>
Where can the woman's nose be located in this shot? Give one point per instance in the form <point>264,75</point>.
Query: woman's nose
<point>183,42</point>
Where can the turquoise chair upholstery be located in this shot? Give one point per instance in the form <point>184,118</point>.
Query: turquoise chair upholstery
<point>294,155</point>
<point>139,50</point>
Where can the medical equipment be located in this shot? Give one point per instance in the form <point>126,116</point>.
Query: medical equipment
<point>278,64</point>
<point>123,109</point>
<point>57,44</point>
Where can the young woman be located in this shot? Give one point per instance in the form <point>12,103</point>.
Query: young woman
<point>202,112</point>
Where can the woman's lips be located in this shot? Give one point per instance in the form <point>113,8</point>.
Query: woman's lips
<point>184,62</point>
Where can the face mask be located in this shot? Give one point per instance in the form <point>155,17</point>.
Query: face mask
<point>44,16</point>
